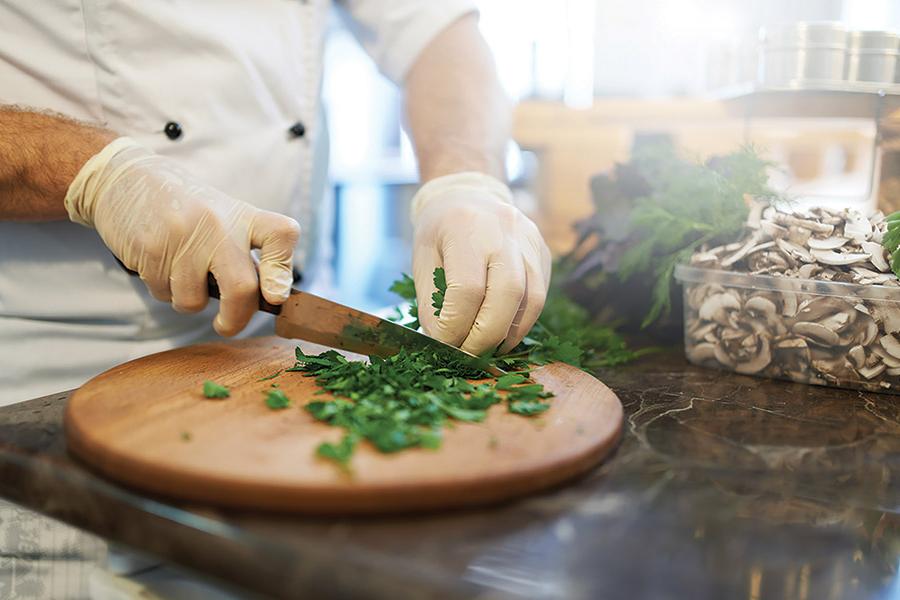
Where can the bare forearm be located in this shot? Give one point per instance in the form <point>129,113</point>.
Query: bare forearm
<point>40,154</point>
<point>456,112</point>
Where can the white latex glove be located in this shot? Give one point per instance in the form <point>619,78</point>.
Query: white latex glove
<point>173,230</point>
<point>496,262</point>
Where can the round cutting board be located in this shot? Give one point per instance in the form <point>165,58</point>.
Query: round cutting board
<point>146,423</point>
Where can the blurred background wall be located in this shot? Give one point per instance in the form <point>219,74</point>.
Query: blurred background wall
<point>592,78</point>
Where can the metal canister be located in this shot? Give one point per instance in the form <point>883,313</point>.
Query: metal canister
<point>873,56</point>
<point>804,51</point>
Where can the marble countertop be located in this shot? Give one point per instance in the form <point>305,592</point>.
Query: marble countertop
<point>724,486</point>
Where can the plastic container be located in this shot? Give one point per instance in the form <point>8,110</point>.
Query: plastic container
<point>804,330</point>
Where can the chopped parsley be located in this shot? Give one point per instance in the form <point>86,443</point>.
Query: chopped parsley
<point>211,389</point>
<point>277,400</point>
<point>272,376</point>
<point>405,400</point>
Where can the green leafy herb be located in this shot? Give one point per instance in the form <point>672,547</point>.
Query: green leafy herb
<point>440,284</point>
<point>340,452</point>
<point>651,214</point>
<point>186,436</point>
<point>211,389</point>
<point>405,287</point>
<point>277,400</point>
<point>563,333</point>
<point>405,400</point>
<point>272,376</point>
<point>506,382</point>
<point>891,241</point>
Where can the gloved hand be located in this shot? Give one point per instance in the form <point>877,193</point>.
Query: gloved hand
<point>496,262</point>
<point>173,230</point>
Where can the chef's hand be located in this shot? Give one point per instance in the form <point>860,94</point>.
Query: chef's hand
<point>496,262</point>
<point>173,230</point>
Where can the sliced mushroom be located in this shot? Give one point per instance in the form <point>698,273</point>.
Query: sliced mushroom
<point>795,251</point>
<point>716,307</point>
<point>857,226</point>
<point>816,333</point>
<point>829,257</point>
<point>888,314</point>
<point>886,358</point>
<point>870,372</point>
<point>773,230</point>
<point>820,307</point>
<point>701,353</point>
<point>799,235</point>
<point>754,217</point>
<point>891,343</point>
<point>700,330</point>
<point>752,245</point>
<point>761,358</point>
<point>723,357</point>
<point>789,304</point>
<point>763,306</point>
<point>857,355</point>
<point>785,219</point>
<point>877,255</point>
<point>829,243</point>
<point>808,271</point>
<point>838,321</point>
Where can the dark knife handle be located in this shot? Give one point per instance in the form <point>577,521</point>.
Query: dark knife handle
<point>212,288</point>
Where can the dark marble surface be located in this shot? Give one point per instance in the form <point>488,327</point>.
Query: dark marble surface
<point>724,487</point>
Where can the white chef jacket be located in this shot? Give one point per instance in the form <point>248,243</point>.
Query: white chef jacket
<point>235,76</point>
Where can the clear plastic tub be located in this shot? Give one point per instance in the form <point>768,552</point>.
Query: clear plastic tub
<point>820,332</point>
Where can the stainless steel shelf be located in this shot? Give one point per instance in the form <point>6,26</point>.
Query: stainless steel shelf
<point>812,99</point>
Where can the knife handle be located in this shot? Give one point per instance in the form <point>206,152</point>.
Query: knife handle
<point>212,288</point>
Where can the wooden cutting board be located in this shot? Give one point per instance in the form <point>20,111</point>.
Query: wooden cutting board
<point>146,423</point>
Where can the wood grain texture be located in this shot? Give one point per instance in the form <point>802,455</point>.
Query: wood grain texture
<point>130,423</point>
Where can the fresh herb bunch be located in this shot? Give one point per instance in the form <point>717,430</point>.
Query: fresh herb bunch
<point>403,401</point>
<point>563,333</point>
<point>891,241</point>
<point>651,214</point>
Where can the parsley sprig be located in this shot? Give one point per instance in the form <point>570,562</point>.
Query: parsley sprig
<point>440,289</point>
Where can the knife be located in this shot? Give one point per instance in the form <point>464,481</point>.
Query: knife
<point>315,319</point>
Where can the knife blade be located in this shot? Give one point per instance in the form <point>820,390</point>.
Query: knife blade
<point>308,317</point>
